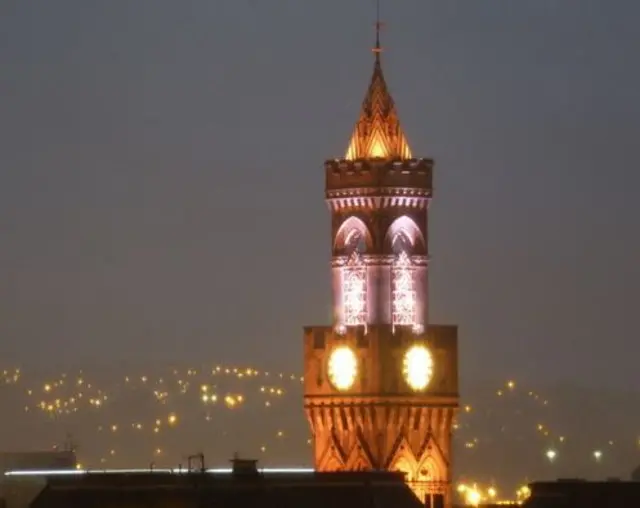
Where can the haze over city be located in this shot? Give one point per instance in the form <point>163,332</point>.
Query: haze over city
<point>161,182</point>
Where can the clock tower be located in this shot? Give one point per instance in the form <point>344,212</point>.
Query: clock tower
<point>381,382</point>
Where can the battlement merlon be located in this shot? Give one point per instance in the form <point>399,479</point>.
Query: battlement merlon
<point>379,177</point>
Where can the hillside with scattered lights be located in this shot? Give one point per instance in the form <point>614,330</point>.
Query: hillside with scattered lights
<point>506,433</point>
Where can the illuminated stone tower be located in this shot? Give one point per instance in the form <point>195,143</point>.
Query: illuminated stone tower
<point>381,383</point>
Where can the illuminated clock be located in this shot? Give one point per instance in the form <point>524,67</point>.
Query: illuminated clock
<point>342,367</point>
<point>417,367</point>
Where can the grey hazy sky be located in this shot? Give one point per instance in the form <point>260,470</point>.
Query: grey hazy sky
<point>161,182</point>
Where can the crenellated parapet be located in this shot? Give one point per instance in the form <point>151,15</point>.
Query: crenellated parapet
<point>377,184</point>
<point>379,177</point>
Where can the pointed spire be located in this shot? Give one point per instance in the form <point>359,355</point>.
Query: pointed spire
<point>377,132</point>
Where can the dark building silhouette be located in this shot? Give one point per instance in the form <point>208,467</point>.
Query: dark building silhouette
<point>28,461</point>
<point>246,486</point>
<point>21,493</point>
<point>584,494</point>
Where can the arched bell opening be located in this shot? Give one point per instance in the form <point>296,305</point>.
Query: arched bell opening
<point>352,242</point>
<point>404,233</point>
<point>403,241</point>
<point>352,236</point>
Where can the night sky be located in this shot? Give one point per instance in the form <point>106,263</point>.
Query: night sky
<point>161,179</point>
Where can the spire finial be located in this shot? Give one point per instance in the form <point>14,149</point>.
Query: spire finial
<point>377,48</point>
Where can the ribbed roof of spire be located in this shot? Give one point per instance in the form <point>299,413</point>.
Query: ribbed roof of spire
<point>378,132</point>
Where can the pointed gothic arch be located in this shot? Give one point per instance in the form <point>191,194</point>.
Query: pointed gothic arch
<point>432,463</point>
<point>353,235</point>
<point>359,457</point>
<point>358,461</point>
<point>406,466</point>
<point>403,234</point>
<point>402,459</point>
<point>332,463</point>
<point>332,458</point>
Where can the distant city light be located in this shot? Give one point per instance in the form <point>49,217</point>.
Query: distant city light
<point>523,493</point>
<point>179,392</point>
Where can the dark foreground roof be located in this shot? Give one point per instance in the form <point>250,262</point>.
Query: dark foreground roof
<point>169,490</point>
<point>584,494</point>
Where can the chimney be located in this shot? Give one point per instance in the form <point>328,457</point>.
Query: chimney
<point>243,467</point>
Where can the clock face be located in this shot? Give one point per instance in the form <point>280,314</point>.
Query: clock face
<point>417,367</point>
<point>343,368</point>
